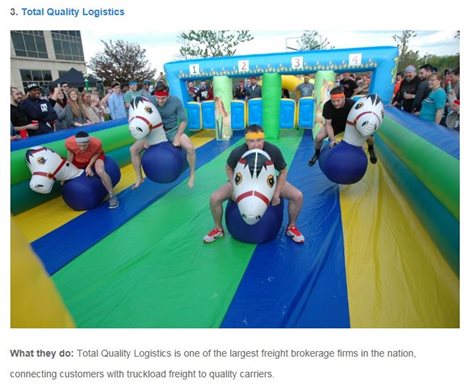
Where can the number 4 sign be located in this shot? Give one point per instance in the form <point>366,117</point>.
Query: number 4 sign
<point>354,59</point>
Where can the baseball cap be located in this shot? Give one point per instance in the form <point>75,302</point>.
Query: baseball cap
<point>115,83</point>
<point>32,86</point>
<point>147,82</point>
<point>133,82</point>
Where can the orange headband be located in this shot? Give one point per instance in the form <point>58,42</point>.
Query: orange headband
<point>254,135</point>
<point>337,96</point>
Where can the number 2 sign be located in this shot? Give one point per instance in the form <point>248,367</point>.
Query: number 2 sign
<point>243,65</point>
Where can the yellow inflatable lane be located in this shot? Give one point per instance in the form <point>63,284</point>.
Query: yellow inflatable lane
<point>35,302</point>
<point>388,281</point>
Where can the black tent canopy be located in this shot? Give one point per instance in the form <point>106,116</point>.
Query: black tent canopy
<point>74,78</point>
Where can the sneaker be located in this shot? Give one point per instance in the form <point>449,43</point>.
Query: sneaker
<point>213,235</point>
<point>313,160</point>
<point>113,202</point>
<point>295,234</point>
<point>372,156</point>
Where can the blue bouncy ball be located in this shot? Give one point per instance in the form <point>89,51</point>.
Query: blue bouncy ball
<point>263,231</point>
<point>86,192</point>
<point>163,163</point>
<point>344,163</point>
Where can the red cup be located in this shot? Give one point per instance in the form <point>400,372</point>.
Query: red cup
<point>23,133</point>
<point>457,102</point>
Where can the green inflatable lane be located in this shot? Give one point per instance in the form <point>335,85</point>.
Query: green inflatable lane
<point>186,282</point>
<point>438,171</point>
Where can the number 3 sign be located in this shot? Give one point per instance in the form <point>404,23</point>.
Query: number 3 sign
<point>297,62</point>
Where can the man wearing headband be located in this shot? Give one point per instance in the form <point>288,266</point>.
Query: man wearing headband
<point>86,153</point>
<point>255,140</point>
<point>335,112</point>
<point>174,123</point>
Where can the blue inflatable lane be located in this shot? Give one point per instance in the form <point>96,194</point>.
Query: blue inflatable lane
<point>292,285</point>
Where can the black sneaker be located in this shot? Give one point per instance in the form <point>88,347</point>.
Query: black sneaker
<point>372,156</point>
<point>313,160</point>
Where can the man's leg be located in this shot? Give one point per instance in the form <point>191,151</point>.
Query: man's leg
<point>106,182</point>
<point>321,135</point>
<point>216,201</point>
<point>295,197</point>
<point>372,154</point>
<point>135,150</point>
<point>187,145</point>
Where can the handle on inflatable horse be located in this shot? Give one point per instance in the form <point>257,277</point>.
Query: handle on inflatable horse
<point>80,192</point>
<point>251,218</point>
<point>346,163</point>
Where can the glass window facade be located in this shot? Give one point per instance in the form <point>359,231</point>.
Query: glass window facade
<point>29,44</point>
<point>42,77</point>
<point>68,45</point>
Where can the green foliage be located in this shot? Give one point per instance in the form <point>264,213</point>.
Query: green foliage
<point>441,62</point>
<point>312,40</point>
<point>206,43</point>
<point>406,56</point>
<point>121,61</point>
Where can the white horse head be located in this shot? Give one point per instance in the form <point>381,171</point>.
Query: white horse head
<point>254,184</point>
<point>365,117</point>
<point>145,121</point>
<point>47,166</point>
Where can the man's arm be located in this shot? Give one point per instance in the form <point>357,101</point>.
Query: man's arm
<point>70,156</point>
<point>330,131</point>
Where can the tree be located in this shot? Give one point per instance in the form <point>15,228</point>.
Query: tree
<point>312,40</point>
<point>406,56</point>
<point>121,61</point>
<point>205,43</point>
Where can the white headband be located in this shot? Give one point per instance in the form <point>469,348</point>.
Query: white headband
<point>82,140</point>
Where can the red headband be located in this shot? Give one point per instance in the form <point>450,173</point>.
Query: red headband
<point>161,93</point>
<point>337,96</point>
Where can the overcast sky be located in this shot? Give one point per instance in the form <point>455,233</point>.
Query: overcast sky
<point>163,47</point>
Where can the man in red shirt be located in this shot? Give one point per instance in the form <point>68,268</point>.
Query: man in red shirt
<point>86,153</point>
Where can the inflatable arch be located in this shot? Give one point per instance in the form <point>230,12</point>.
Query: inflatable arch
<point>382,61</point>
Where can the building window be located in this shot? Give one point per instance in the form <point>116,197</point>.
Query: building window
<point>30,44</point>
<point>42,77</point>
<point>68,45</point>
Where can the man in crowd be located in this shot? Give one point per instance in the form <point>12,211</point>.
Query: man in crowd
<point>38,110</point>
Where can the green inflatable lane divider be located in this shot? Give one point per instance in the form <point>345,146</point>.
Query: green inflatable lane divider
<point>223,89</point>
<point>271,94</point>
<point>324,82</point>
<point>112,139</point>
<point>437,170</point>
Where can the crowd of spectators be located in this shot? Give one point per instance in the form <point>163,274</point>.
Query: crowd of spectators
<point>426,93</point>
<point>65,107</point>
<point>429,94</point>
